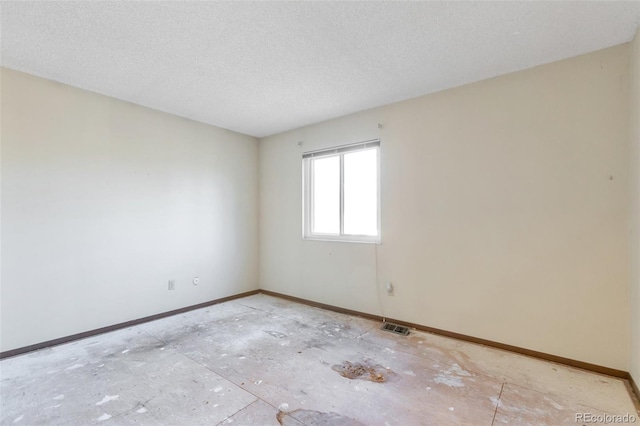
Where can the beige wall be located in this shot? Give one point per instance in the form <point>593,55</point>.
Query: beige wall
<point>504,211</point>
<point>635,208</point>
<point>104,201</point>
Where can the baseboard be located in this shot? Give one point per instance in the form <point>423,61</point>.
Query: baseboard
<point>90,333</point>
<point>523,351</point>
<point>636,390</point>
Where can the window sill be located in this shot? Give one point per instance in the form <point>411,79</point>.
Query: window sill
<point>342,240</point>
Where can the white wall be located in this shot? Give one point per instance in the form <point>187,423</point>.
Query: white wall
<point>504,211</point>
<point>635,208</point>
<point>104,201</point>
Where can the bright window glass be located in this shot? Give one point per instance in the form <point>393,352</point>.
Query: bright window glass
<point>361,193</point>
<point>342,193</point>
<point>326,195</point>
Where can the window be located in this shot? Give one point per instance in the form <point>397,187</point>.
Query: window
<point>342,193</point>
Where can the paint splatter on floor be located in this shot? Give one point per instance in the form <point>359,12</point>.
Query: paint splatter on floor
<point>362,370</point>
<point>107,398</point>
<point>452,377</point>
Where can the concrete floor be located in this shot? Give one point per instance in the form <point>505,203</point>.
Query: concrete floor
<point>262,360</point>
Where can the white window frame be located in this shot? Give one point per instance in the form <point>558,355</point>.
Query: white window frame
<point>307,191</point>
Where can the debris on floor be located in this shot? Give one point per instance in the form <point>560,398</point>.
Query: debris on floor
<point>362,370</point>
<point>316,418</point>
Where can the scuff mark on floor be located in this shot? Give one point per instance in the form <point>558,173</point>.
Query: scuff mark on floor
<point>316,343</point>
<point>276,334</point>
<point>311,417</point>
<point>74,366</point>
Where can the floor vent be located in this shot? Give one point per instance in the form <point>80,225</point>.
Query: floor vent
<point>395,328</point>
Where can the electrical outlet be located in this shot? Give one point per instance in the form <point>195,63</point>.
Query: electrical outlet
<point>390,289</point>
<point>172,285</point>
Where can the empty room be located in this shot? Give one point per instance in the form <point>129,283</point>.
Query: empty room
<point>319,213</point>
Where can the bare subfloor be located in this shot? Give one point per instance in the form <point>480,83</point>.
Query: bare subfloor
<point>261,360</point>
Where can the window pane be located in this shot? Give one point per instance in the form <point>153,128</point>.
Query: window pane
<point>326,195</point>
<point>361,193</point>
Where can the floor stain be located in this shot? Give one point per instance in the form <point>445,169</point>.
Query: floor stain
<point>316,418</point>
<point>362,370</point>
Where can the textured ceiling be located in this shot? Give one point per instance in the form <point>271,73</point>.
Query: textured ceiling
<point>265,67</point>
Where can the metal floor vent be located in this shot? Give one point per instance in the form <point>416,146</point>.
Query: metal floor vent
<point>395,328</point>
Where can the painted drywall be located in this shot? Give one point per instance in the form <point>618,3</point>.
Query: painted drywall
<point>104,201</point>
<point>634,212</point>
<point>504,211</point>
